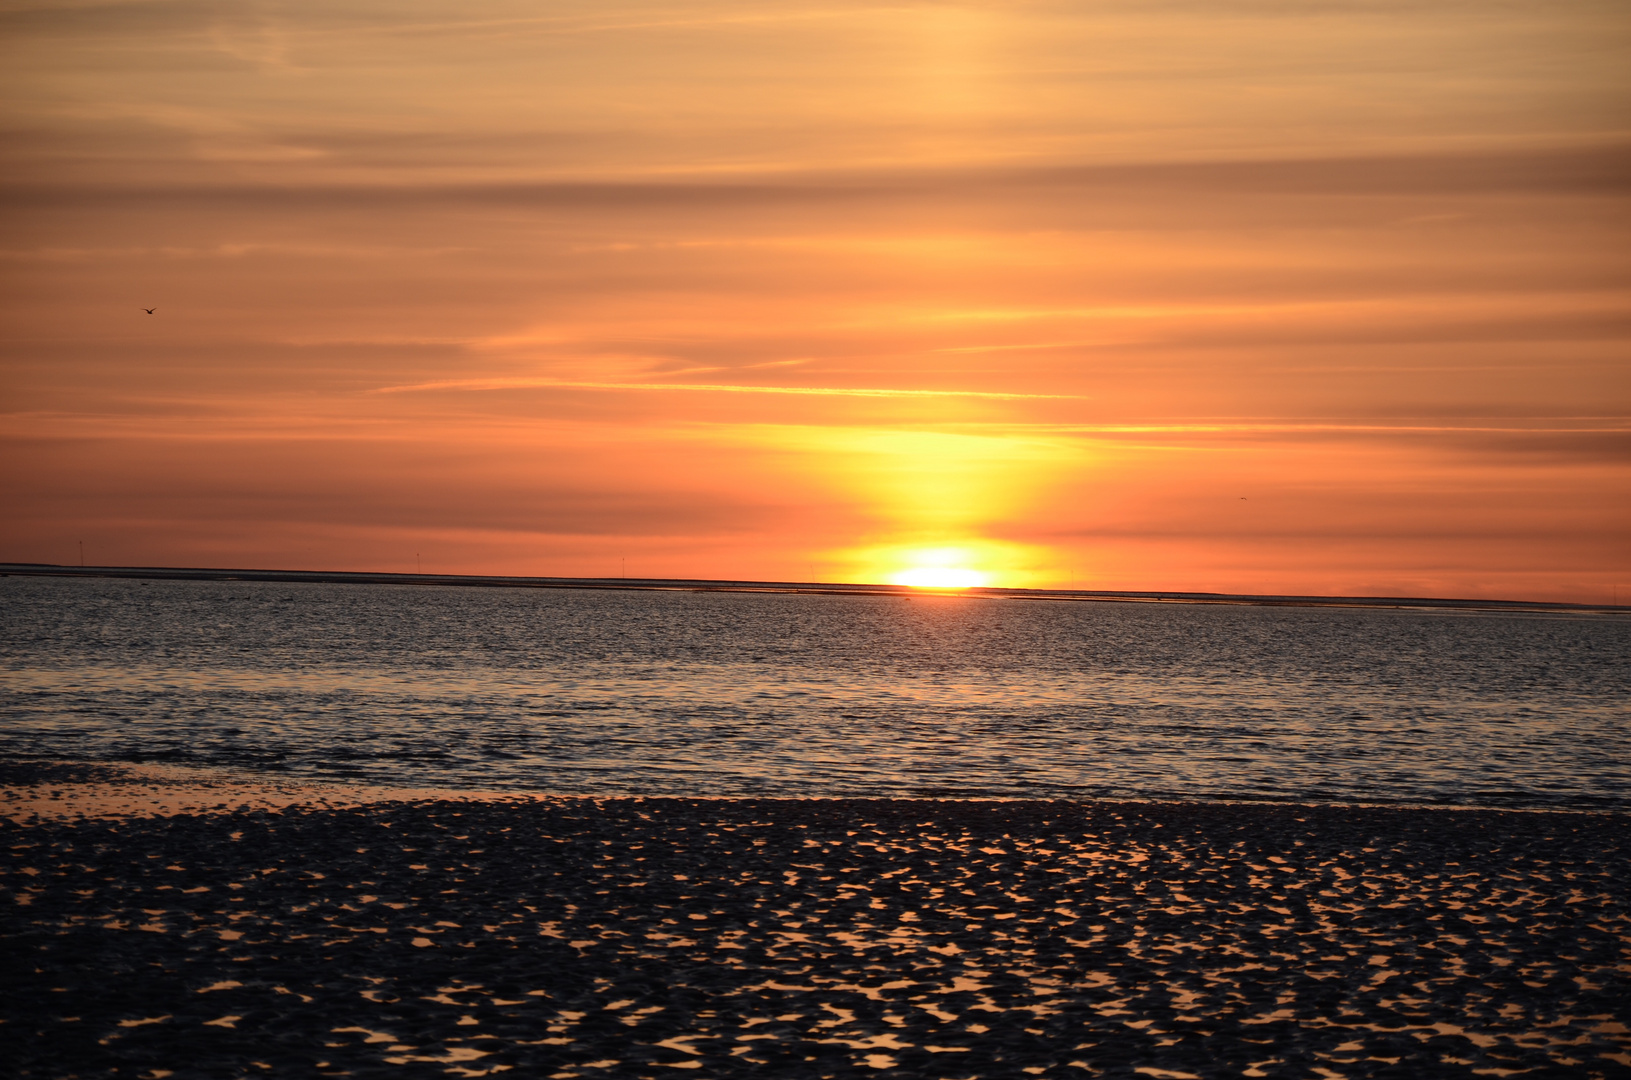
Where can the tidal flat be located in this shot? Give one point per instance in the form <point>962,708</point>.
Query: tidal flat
<point>656,937</point>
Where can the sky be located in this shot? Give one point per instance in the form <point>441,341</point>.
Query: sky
<point>1261,297</point>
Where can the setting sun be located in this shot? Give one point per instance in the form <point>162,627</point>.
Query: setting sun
<point>938,568</point>
<point>939,577</point>
<point>970,563</point>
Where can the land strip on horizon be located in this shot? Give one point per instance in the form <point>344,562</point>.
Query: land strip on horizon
<point>360,577</point>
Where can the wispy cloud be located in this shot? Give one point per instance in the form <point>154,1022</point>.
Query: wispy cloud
<point>718,388</point>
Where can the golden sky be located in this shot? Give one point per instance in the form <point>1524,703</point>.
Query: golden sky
<point>1241,296</point>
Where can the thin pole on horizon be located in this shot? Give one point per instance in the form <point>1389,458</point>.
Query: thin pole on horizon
<point>625,568</point>
<point>418,567</point>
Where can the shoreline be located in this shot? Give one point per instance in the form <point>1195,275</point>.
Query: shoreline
<point>630,938</point>
<point>349,577</point>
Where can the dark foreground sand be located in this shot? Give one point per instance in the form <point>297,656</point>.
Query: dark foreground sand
<point>724,938</point>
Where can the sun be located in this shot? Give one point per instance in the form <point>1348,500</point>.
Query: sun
<point>939,577</point>
<point>970,563</point>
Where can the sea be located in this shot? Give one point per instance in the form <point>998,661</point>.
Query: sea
<point>610,692</point>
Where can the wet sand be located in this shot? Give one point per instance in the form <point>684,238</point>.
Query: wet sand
<point>803,938</point>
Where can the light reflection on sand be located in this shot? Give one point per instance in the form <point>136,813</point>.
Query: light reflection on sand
<point>820,938</point>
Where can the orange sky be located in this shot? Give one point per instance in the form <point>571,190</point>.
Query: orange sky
<point>1253,297</point>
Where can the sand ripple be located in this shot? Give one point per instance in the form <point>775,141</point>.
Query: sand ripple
<point>656,937</point>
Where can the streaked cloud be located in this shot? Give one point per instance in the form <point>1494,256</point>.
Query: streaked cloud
<point>717,388</point>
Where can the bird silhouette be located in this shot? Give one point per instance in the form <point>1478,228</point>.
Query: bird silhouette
<point>150,310</point>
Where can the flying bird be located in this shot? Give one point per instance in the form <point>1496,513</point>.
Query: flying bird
<point>150,310</point>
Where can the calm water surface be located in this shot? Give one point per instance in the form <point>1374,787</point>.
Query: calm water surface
<point>729,693</point>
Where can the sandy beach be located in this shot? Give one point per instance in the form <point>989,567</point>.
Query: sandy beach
<point>805,938</point>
